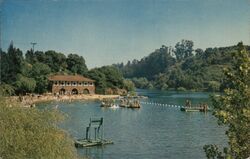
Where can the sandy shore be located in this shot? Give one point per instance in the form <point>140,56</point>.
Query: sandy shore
<point>31,100</point>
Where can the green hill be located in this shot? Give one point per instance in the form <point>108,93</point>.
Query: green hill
<point>181,68</point>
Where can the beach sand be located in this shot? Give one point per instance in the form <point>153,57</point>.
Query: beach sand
<point>31,100</point>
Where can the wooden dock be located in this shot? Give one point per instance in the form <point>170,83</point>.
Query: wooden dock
<point>90,143</point>
<point>194,109</point>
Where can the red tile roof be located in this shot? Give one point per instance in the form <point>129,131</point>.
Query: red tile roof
<point>69,78</point>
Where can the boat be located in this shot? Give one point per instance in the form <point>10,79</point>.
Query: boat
<point>104,104</point>
<point>135,104</point>
<point>130,103</point>
<point>124,103</point>
<point>114,106</point>
<point>107,103</point>
<point>96,126</point>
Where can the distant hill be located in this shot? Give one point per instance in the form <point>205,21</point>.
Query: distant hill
<point>180,68</point>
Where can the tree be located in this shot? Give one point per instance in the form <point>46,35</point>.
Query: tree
<point>40,57</point>
<point>109,78</point>
<point>157,62</point>
<point>142,83</point>
<point>24,84</point>
<point>113,76</point>
<point>30,57</point>
<point>56,61</point>
<point>160,81</point>
<point>213,86</point>
<point>76,64</point>
<point>40,73</point>
<point>4,67</point>
<point>128,85</point>
<point>199,52</point>
<point>11,64</point>
<point>100,80</point>
<point>233,109</point>
<point>184,49</point>
<point>6,90</point>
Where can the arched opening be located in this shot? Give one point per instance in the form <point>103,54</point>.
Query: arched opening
<point>62,91</point>
<point>74,91</point>
<point>85,91</point>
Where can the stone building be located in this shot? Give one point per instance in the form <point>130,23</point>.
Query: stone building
<point>72,84</point>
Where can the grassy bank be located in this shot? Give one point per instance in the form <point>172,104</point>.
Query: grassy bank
<point>32,133</point>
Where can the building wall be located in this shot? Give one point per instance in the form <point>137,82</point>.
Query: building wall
<point>68,89</point>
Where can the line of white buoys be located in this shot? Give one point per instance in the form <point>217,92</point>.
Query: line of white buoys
<point>162,104</point>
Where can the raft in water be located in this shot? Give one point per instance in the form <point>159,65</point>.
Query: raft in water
<point>95,128</point>
<point>89,143</point>
<point>194,109</point>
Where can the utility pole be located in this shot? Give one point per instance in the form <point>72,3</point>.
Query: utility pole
<point>1,44</point>
<point>33,45</point>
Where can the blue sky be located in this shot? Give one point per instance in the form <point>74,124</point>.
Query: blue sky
<point>110,31</point>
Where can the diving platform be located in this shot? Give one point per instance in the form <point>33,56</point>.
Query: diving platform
<point>97,139</point>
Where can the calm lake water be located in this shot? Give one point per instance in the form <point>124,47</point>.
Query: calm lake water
<point>149,132</point>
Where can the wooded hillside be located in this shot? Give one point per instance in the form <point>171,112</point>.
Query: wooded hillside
<point>180,68</point>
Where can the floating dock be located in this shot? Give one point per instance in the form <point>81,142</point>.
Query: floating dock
<point>96,126</point>
<point>200,108</point>
<point>90,143</point>
<point>193,109</point>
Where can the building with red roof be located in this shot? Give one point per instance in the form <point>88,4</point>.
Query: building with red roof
<point>72,84</point>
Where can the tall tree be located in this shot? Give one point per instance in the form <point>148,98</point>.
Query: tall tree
<point>184,49</point>
<point>233,109</point>
<point>56,61</point>
<point>12,64</point>
<point>76,64</point>
<point>100,80</point>
<point>4,67</point>
<point>113,76</point>
<point>30,57</point>
<point>40,73</point>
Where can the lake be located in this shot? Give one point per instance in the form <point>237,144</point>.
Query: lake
<point>153,131</point>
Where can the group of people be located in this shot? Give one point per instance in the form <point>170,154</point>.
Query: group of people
<point>27,101</point>
<point>201,106</point>
<point>188,103</point>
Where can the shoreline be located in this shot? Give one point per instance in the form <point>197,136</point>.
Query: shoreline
<point>32,100</point>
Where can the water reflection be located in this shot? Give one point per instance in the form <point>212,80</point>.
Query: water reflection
<point>94,152</point>
<point>153,131</point>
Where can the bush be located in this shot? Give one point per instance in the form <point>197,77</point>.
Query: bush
<point>181,89</point>
<point>213,86</point>
<point>32,133</point>
<point>6,90</point>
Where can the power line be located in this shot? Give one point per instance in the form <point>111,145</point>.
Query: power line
<point>33,45</point>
